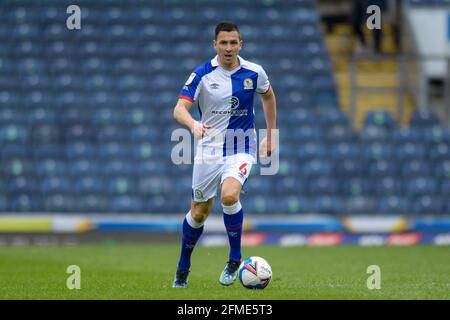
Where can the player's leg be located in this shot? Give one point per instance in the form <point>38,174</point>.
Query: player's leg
<point>206,178</point>
<point>192,230</point>
<point>233,215</point>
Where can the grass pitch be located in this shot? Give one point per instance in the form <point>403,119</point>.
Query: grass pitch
<point>138,271</point>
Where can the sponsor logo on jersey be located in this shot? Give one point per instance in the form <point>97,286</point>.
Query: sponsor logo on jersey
<point>191,77</point>
<point>214,86</point>
<point>231,108</point>
<point>233,103</point>
<point>248,84</point>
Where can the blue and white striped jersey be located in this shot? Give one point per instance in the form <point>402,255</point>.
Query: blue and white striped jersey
<point>225,101</point>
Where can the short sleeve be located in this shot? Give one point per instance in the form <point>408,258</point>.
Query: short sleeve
<point>191,88</point>
<point>263,82</point>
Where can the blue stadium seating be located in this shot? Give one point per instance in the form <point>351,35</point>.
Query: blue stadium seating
<point>389,185</point>
<point>379,118</point>
<point>86,116</point>
<point>394,204</point>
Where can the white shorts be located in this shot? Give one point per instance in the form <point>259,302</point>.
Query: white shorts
<point>208,176</point>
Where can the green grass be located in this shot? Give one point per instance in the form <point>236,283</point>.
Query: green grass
<point>137,271</point>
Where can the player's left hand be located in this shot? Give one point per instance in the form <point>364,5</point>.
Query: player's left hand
<point>266,147</point>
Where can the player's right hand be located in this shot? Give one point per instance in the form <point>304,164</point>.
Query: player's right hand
<point>198,129</point>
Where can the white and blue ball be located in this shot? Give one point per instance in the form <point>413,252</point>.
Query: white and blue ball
<point>255,273</point>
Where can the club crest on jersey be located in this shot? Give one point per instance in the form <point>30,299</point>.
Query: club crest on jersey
<point>248,84</point>
<point>191,77</point>
<point>198,194</point>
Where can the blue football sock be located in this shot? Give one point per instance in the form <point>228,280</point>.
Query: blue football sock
<point>188,242</point>
<point>233,217</point>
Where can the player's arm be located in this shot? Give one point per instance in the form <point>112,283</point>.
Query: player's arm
<point>182,115</point>
<point>270,114</point>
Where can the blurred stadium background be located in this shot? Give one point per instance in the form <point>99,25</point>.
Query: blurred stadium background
<point>86,118</point>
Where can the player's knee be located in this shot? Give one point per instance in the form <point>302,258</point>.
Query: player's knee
<point>199,213</point>
<point>199,216</point>
<point>229,198</point>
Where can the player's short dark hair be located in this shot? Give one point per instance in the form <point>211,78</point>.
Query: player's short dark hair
<point>228,27</point>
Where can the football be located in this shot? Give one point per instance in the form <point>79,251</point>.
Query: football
<point>255,273</point>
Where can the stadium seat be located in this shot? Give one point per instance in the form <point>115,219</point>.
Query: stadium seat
<point>297,204</point>
<point>120,185</point>
<point>416,168</point>
<point>80,150</point>
<point>113,150</point>
<point>330,117</point>
<point>24,203</point>
<point>310,150</point>
<point>445,187</point>
<point>259,185</point>
<point>91,204</point>
<point>421,186</point>
<point>11,115</point>
<point>13,150</point>
<point>353,186</point>
<point>329,205</point>
<point>89,185</point>
<point>346,151</point>
<point>350,168</point>
<point>359,204</point>
<point>339,133</point>
<point>45,134</point>
<point>14,167</point>
<point>405,135</point>
<point>428,204</point>
<point>394,204</point>
<point>423,119</point>
<point>383,168</point>
<point>58,203</point>
<point>47,151</point>
<point>290,186</point>
<point>442,169</point>
<point>155,185</point>
<point>21,184</point>
<point>411,151</point>
<point>4,202</point>
<point>436,135</point>
<point>118,167</point>
<point>314,168</point>
<point>380,119</point>
<point>75,116</point>
<point>323,186</point>
<point>388,185</point>
<point>372,133</point>
<point>14,134</point>
<point>50,167</point>
<point>126,203</point>
<point>440,152</point>
<point>53,184</point>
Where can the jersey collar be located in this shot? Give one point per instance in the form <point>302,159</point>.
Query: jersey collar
<point>215,63</point>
